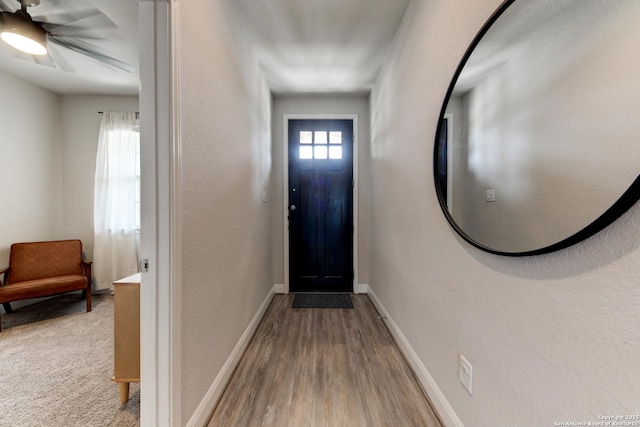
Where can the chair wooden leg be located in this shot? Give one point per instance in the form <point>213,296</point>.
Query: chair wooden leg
<point>84,294</point>
<point>7,307</point>
<point>88,292</point>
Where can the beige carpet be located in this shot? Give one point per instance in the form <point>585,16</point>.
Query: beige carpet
<point>56,364</point>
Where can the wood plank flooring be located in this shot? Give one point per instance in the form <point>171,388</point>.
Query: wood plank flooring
<point>323,368</point>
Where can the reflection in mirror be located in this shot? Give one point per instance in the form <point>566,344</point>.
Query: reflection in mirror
<point>540,133</point>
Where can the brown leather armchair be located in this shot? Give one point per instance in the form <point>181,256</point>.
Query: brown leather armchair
<point>38,269</point>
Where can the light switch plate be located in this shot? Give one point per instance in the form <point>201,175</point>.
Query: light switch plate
<point>490,195</point>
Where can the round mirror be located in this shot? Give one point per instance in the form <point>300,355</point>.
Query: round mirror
<point>538,145</point>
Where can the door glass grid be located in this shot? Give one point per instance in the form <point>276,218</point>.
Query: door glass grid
<point>320,145</point>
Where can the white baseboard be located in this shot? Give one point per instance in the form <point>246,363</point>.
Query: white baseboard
<point>279,289</point>
<point>202,413</point>
<point>439,401</point>
<point>363,288</point>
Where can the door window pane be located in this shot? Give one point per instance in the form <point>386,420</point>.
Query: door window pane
<point>335,152</point>
<point>335,137</point>
<point>320,152</point>
<point>305,137</point>
<point>321,137</point>
<point>306,152</point>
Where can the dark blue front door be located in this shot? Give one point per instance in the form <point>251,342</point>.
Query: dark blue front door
<point>321,205</point>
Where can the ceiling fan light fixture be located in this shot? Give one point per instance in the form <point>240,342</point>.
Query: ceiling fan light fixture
<point>23,34</point>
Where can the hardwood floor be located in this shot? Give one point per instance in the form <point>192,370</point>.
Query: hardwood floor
<point>323,367</point>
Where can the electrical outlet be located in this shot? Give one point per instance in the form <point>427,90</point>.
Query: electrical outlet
<point>465,373</point>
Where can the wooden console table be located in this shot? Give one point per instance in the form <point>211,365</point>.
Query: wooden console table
<point>126,322</point>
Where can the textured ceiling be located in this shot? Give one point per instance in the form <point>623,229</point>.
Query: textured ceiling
<point>319,46</point>
<point>305,46</point>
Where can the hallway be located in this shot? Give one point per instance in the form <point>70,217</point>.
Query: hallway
<point>323,367</point>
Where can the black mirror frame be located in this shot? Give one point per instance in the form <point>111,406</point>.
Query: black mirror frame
<point>623,204</point>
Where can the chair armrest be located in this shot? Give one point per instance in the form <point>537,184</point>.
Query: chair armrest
<point>87,271</point>
<point>3,279</point>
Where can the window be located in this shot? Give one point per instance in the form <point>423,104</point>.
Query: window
<point>320,145</point>
<point>138,202</point>
<point>116,218</point>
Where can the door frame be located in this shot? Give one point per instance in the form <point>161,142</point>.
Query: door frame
<point>160,239</point>
<point>285,188</point>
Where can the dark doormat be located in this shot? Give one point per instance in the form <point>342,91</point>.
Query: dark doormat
<point>322,301</point>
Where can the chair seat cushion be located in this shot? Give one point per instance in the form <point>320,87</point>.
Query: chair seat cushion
<point>41,287</point>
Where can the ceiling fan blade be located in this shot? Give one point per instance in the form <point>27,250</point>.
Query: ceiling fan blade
<point>88,51</point>
<point>59,59</point>
<point>76,33</point>
<point>52,59</point>
<point>87,19</point>
<point>45,60</point>
<point>5,8</point>
<point>23,55</point>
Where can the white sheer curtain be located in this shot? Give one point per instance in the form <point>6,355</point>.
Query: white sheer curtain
<point>116,192</point>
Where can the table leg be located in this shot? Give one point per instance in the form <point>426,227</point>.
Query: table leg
<point>124,392</point>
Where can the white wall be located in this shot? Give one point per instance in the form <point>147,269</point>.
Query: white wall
<point>30,164</point>
<point>226,164</point>
<point>80,130</point>
<point>49,145</point>
<point>551,338</point>
<point>321,104</point>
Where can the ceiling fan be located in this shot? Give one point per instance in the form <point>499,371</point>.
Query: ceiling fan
<point>33,35</point>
